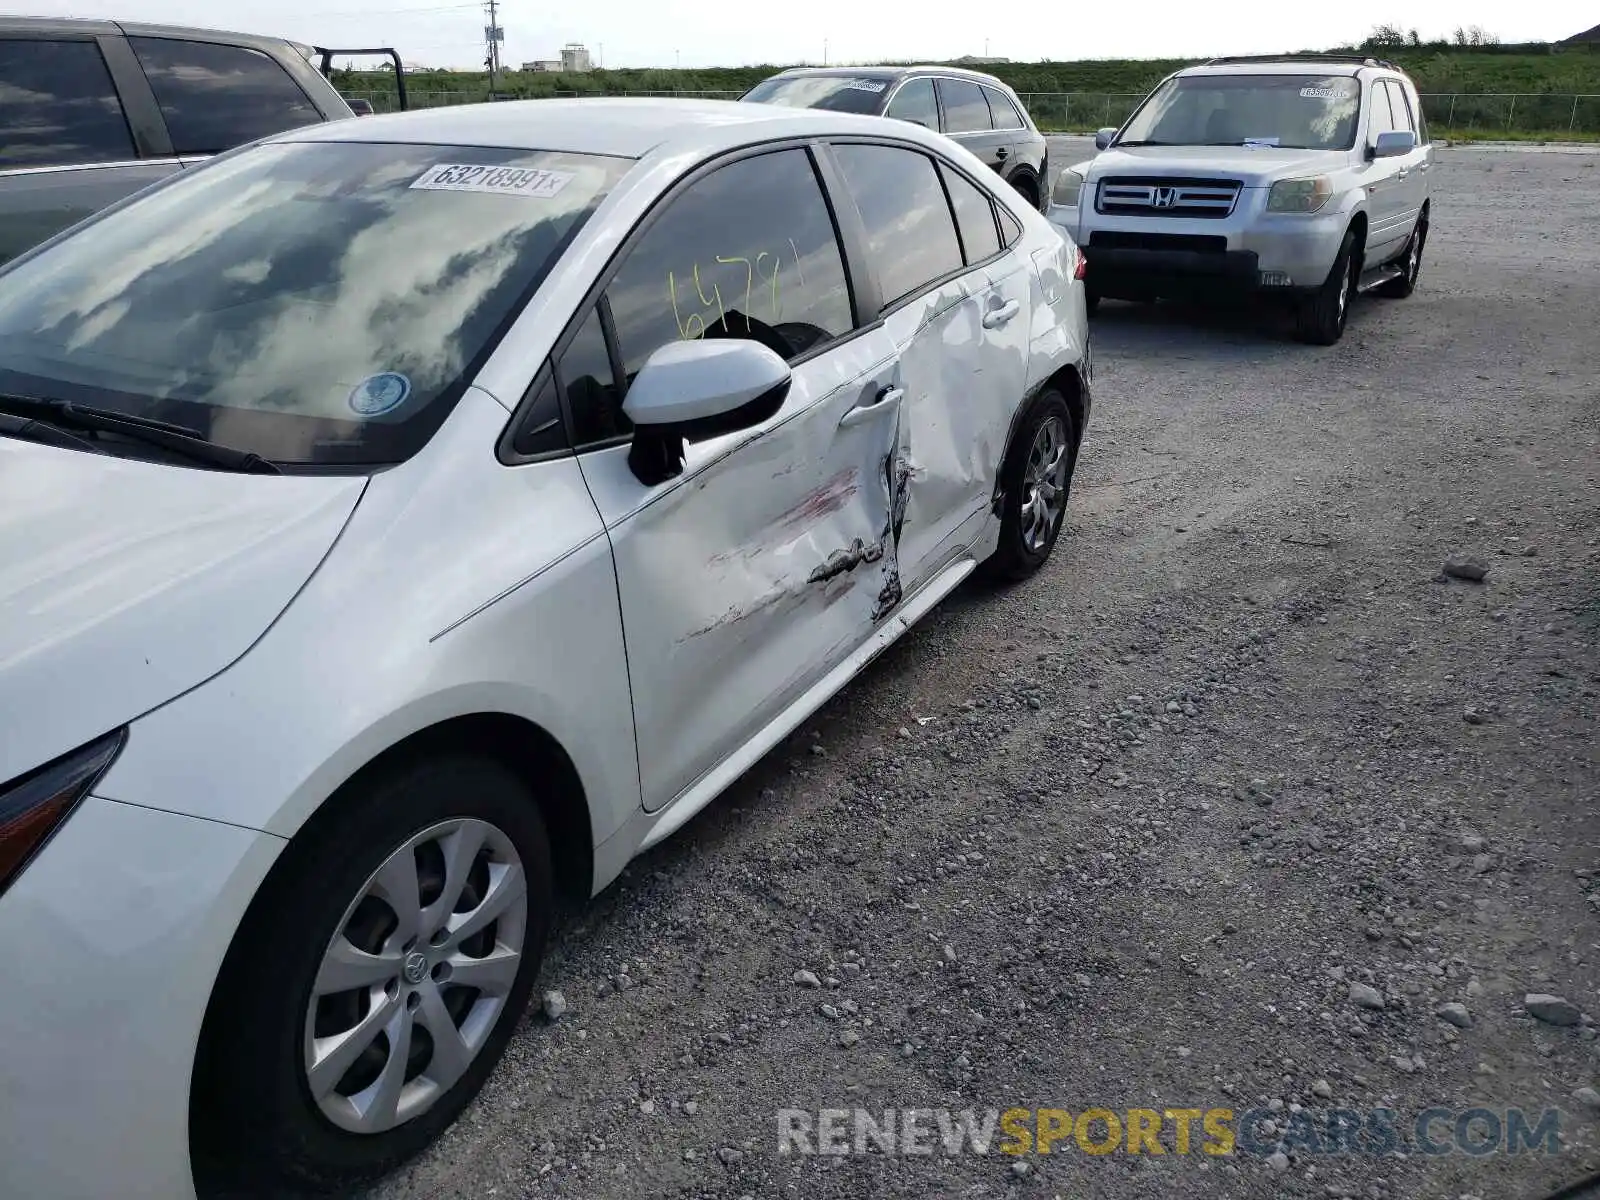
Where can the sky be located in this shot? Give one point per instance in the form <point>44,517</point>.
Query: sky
<point>646,33</point>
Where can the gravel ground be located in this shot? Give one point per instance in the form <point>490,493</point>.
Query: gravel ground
<point>1134,833</point>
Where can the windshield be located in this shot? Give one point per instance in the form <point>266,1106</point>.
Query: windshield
<point>838,93</point>
<point>316,302</point>
<point>1303,112</point>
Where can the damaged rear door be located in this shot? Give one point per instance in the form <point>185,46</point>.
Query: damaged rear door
<point>955,309</point>
<point>745,578</point>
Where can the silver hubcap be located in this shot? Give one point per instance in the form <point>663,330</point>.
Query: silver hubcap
<point>1344,291</point>
<point>1414,266</point>
<point>1044,485</point>
<point>416,977</point>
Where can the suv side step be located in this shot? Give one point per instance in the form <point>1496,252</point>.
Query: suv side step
<point>1379,275</point>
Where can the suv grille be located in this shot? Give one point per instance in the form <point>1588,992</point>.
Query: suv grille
<point>1139,196</point>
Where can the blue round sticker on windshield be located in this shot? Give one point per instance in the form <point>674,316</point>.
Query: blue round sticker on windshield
<point>378,394</point>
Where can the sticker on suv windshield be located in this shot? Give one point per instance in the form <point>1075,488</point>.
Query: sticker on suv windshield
<point>866,85</point>
<point>1321,93</point>
<point>504,181</point>
<point>378,394</point>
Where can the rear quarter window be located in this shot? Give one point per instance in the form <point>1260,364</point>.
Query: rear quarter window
<point>58,106</point>
<point>216,97</point>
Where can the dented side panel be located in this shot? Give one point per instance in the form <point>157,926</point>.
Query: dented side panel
<point>964,378</point>
<point>771,557</point>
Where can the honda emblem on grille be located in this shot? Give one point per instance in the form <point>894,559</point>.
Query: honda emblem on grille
<point>1164,197</point>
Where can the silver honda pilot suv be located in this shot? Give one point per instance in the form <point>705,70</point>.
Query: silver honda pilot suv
<point>1299,178</point>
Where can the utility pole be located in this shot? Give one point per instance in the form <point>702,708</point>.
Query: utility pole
<point>824,51</point>
<point>491,36</point>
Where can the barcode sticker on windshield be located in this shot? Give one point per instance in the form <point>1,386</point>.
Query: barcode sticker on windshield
<point>867,85</point>
<point>1320,93</point>
<point>504,181</point>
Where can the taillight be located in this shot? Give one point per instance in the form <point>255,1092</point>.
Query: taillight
<point>1081,271</point>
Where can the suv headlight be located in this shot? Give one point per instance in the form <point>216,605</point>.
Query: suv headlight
<point>1300,195</point>
<point>1068,184</point>
<point>33,807</point>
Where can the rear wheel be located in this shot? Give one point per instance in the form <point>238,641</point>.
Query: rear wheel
<point>1321,318</point>
<point>1410,266</point>
<point>375,983</point>
<point>1035,480</point>
<point>1027,188</point>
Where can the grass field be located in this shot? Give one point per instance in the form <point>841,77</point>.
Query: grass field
<point>1477,84</point>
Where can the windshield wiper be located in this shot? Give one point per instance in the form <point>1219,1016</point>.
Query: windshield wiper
<point>178,439</point>
<point>1119,145</point>
<point>12,425</point>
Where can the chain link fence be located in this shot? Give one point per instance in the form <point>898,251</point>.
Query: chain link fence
<point>1080,112</point>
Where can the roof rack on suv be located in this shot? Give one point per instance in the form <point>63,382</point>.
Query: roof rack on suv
<point>1365,60</point>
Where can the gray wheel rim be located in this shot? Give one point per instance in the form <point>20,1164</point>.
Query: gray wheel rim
<point>1414,260</point>
<point>416,976</point>
<point>1044,485</point>
<point>1345,286</point>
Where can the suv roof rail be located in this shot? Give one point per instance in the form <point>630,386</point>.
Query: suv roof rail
<point>1366,60</point>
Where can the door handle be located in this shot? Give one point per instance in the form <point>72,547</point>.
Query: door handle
<point>1402,173</point>
<point>1001,153</point>
<point>887,398</point>
<point>996,317</point>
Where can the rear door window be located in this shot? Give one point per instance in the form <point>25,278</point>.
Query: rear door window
<point>58,106</point>
<point>1400,106</point>
<point>910,232</point>
<point>914,102</point>
<point>1004,112</point>
<point>965,109</point>
<point>217,97</point>
<point>980,237</point>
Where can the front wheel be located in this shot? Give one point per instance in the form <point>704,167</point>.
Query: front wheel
<point>1034,481</point>
<point>1321,318</point>
<point>375,982</point>
<point>1410,267</point>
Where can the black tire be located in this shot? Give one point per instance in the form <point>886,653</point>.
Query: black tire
<point>1411,264</point>
<point>1026,187</point>
<point>1320,319</point>
<point>1091,301</point>
<point>1014,559</point>
<point>255,1129</point>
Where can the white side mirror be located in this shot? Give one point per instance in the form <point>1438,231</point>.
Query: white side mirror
<point>699,389</point>
<point>691,381</point>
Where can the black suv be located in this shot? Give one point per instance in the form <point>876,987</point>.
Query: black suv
<point>92,111</point>
<point>977,110</point>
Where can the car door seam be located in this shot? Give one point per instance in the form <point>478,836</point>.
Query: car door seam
<point>487,604</point>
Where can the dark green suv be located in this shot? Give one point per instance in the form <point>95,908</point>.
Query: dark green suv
<point>976,110</point>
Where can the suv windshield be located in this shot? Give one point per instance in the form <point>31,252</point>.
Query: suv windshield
<point>316,302</point>
<point>1304,112</point>
<point>839,93</point>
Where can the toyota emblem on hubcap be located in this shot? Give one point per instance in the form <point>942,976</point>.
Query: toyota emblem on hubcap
<point>416,967</point>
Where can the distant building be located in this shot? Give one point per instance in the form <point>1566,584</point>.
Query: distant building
<point>972,60</point>
<point>543,64</point>
<point>575,58</point>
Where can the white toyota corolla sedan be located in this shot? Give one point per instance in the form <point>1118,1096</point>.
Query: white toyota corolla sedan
<point>404,519</point>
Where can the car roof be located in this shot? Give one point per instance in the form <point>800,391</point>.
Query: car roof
<point>623,127</point>
<point>83,27</point>
<point>1290,66</point>
<point>900,72</point>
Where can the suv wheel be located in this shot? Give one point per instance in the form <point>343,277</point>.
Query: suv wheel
<point>1035,480</point>
<point>1410,266</point>
<point>1027,189</point>
<point>375,982</point>
<point>1321,318</point>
